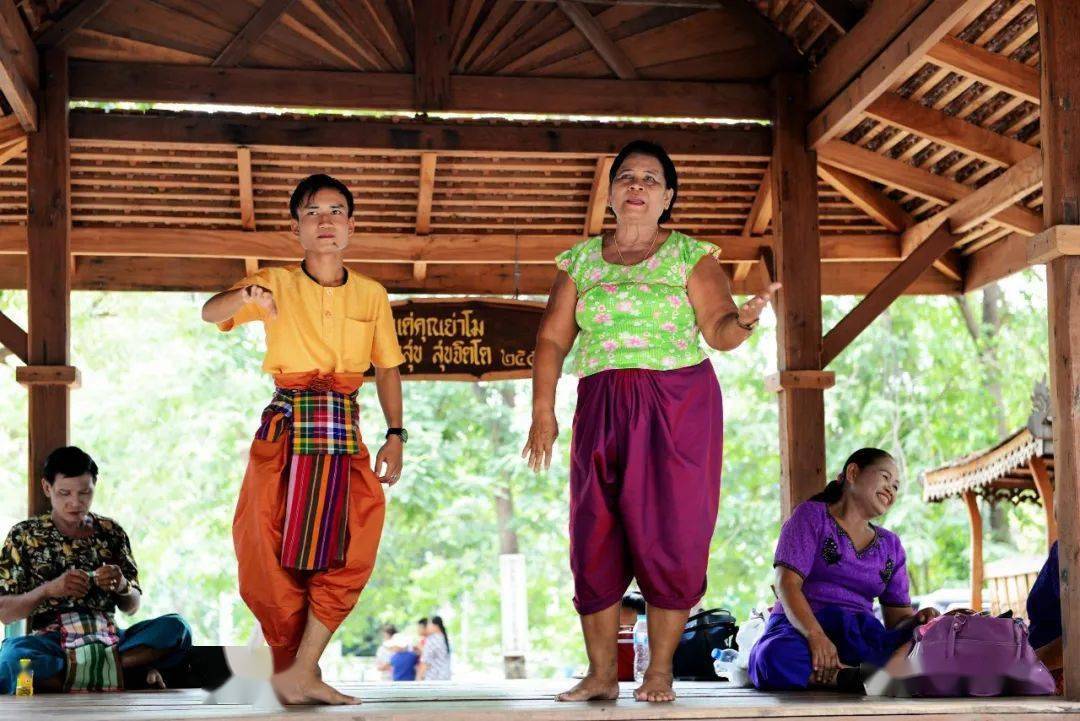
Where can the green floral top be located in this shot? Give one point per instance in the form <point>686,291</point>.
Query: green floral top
<point>635,316</point>
<point>36,552</point>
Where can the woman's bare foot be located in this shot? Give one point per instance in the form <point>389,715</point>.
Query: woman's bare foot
<point>592,688</point>
<point>154,679</point>
<point>300,685</point>
<point>655,687</point>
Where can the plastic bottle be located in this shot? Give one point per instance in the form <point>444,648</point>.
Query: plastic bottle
<point>726,666</point>
<point>24,684</point>
<point>641,648</point>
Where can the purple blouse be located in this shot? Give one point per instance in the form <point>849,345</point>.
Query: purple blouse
<point>813,545</point>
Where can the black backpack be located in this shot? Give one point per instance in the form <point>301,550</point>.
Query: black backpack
<point>704,632</point>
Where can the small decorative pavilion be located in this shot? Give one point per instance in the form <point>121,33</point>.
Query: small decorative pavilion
<point>1019,469</point>
<point>878,148</point>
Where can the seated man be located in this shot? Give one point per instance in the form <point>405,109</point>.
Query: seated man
<point>67,571</point>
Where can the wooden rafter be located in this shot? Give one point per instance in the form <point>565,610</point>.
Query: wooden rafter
<point>995,70</point>
<point>1000,194</point>
<point>425,193</point>
<point>245,188</point>
<point>853,52</point>
<point>996,261</point>
<point>598,196</point>
<point>762,209</point>
<point>18,66</point>
<point>882,296</point>
<point>79,14</point>
<point>879,168</point>
<point>903,55</point>
<point>261,21</point>
<point>992,199</point>
<point>935,125</point>
<point>601,42</point>
<point>867,198</point>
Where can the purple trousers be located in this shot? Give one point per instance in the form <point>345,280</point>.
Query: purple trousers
<point>644,485</point>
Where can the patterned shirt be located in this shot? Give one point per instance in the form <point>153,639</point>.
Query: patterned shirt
<point>436,657</point>
<point>815,546</point>
<point>340,329</point>
<point>635,316</point>
<point>36,552</point>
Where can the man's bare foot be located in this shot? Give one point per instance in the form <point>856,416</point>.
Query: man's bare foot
<point>592,688</point>
<point>299,685</point>
<point>655,687</point>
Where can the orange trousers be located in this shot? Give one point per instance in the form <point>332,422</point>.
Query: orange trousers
<point>280,598</point>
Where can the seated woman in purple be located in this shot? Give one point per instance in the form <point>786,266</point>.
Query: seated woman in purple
<point>831,563</point>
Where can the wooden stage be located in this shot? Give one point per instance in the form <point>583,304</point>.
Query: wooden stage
<point>531,700</point>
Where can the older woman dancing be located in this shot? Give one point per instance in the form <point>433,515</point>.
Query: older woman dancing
<point>648,429</point>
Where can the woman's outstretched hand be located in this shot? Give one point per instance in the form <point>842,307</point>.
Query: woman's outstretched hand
<point>542,435</point>
<point>750,311</point>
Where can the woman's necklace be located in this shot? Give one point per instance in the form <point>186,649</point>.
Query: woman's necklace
<point>652,245</point>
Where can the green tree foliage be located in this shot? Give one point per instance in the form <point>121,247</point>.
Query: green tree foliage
<point>168,406</point>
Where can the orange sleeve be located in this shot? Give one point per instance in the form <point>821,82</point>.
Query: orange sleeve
<point>385,351</point>
<point>250,311</point>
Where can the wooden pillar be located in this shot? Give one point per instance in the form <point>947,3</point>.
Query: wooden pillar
<point>978,575</point>
<point>1041,475</point>
<point>1059,38</point>
<point>48,277</point>
<point>797,250</point>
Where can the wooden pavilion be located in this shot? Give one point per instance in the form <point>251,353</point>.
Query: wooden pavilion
<point>1018,469</point>
<point>837,146</point>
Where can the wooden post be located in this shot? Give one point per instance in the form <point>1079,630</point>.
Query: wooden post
<point>793,174</point>
<point>1059,38</point>
<point>1041,475</point>
<point>977,573</point>
<point>48,277</point>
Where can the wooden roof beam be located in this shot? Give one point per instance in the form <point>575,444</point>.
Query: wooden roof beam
<point>13,337</point>
<point>431,64</point>
<point>935,125</point>
<point>147,82</point>
<point>995,70</point>
<point>883,295</point>
<point>433,135</point>
<point>406,248</point>
<point>18,66</point>
<point>260,22</point>
<point>902,55</point>
<point>917,181</point>
<point>211,275</point>
<point>1000,194</point>
<point>426,191</point>
<point>851,54</point>
<point>598,196</point>
<point>601,42</point>
<point>75,17</point>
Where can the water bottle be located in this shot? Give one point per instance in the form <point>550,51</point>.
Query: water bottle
<point>24,684</point>
<point>641,648</point>
<point>726,666</point>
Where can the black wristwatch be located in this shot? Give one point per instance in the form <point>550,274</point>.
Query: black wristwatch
<point>400,432</point>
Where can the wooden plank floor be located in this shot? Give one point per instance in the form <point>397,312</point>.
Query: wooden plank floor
<point>531,700</point>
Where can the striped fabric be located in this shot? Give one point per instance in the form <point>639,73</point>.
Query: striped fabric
<point>324,430</point>
<point>316,512</point>
<point>91,643</point>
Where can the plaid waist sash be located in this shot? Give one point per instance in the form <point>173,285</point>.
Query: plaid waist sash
<point>323,424</point>
<point>91,644</point>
